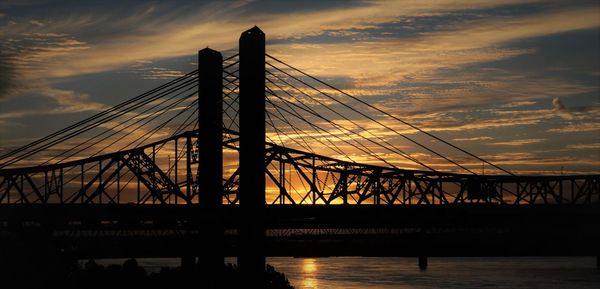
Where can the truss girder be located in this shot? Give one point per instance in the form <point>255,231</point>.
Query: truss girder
<point>345,183</point>
<point>296,177</point>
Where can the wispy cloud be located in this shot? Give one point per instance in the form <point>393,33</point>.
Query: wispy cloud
<point>66,101</point>
<point>518,142</point>
<point>577,127</point>
<point>37,23</point>
<point>30,53</point>
<point>584,146</point>
<point>560,109</point>
<point>518,104</point>
<point>158,73</point>
<point>478,138</point>
<point>178,36</point>
<point>70,101</point>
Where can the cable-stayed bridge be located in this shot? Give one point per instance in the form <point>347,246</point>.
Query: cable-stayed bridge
<point>251,156</point>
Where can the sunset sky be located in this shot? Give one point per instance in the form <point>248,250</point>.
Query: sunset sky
<point>514,81</point>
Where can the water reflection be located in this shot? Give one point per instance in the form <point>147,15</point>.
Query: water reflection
<point>403,273</point>
<point>452,273</point>
<point>309,273</point>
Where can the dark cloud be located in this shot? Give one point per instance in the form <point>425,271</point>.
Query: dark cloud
<point>560,109</point>
<point>24,54</point>
<point>570,112</point>
<point>275,6</point>
<point>407,27</point>
<point>558,105</point>
<point>7,75</point>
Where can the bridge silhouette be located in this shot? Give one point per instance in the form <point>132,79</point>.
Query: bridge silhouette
<point>147,177</point>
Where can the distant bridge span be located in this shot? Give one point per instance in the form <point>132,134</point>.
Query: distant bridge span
<point>122,231</point>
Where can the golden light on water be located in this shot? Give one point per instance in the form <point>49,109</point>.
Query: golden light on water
<point>309,270</point>
<point>309,266</point>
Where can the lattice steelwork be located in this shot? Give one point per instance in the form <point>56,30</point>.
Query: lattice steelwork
<point>294,177</point>
<point>305,178</point>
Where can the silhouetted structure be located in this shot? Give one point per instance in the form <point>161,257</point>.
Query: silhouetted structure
<point>252,154</point>
<point>210,154</point>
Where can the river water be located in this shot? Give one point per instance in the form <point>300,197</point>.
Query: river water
<point>387,273</point>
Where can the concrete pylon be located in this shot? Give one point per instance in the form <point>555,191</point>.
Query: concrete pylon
<point>251,259</point>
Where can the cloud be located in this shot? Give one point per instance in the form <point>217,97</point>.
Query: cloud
<point>423,68</point>
<point>473,138</point>
<point>594,146</point>
<point>28,55</point>
<point>158,73</point>
<point>67,101</point>
<point>180,34</point>
<point>518,142</point>
<point>577,127</point>
<point>530,164</point>
<point>7,75</point>
<point>37,23</point>
<point>560,109</point>
<point>70,101</point>
<point>460,91</point>
<point>518,104</point>
<point>466,43</point>
<point>496,119</point>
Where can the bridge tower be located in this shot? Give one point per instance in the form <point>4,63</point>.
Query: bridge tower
<point>251,259</point>
<point>210,159</point>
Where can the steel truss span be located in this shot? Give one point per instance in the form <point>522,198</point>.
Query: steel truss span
<point>144,175</point>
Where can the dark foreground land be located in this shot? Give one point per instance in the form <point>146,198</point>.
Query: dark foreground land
<point>131,275</point>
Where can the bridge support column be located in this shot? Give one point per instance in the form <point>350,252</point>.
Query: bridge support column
<point>422,262</point>
<point>210,160</point>
<point>251,259</point>
<point>188,262</point>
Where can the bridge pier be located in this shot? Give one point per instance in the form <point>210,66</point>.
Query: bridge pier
<point>251,259</point>
<point>422,262</point>
<point>210,161</point>
<point>188,262</point>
